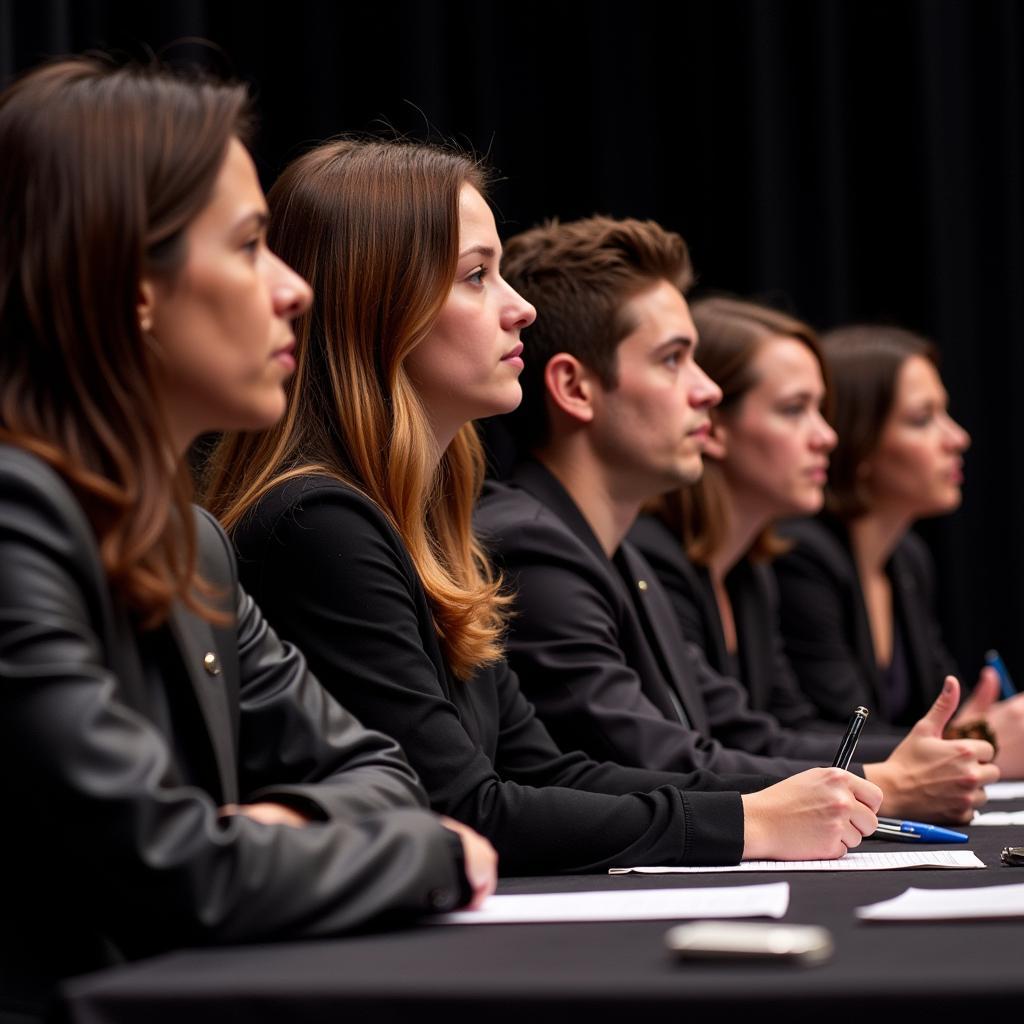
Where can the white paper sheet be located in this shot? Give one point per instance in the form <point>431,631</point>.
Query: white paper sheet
<point>770,900</point>
<point>948,904</point>
<point>998,818</point>
<point>851,862</point>
<point>1005,791</point>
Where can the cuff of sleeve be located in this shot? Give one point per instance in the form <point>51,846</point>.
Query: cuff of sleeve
<point>713,828</point>
<point>459,864</point>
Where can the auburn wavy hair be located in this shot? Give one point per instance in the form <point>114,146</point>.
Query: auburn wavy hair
<point>104,168</point>
<point>374,227</point>
<point>731,333</point>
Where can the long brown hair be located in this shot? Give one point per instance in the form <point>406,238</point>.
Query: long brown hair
<point>374,227</point>
<point>104,169</point>
<point>864,361</point>
<point>731,332</point>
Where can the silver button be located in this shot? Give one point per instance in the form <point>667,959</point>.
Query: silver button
<point>211,664</point>
<point>641,584</point>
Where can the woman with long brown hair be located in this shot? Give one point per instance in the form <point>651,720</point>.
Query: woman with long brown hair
<point>353,523</point>
<point>171,773</point>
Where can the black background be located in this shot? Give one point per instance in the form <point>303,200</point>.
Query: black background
<point>845,159</point>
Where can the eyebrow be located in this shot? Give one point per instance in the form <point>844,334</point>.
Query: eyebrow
<point>256,219</point>
<point>679,339</point>
<point>483,250</point>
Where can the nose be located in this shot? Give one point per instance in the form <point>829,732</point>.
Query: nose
<point>517,313</point>
<point>823,437</point>
<point>957,439</point>
<point>704,392</point>
<point>290,292</point>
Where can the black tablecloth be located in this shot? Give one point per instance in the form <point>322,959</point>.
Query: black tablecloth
<point>606,971</point>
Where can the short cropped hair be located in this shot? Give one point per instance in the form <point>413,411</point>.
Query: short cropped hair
<point>580,276</point>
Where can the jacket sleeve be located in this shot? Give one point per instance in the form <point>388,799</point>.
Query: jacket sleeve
<point>154,864</point>
<point>353,604</point>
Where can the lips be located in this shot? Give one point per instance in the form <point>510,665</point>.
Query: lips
<point>513,353</point>
<point>702,432</point>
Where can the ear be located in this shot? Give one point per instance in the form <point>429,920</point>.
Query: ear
<point>717,444</point>
<point>144,305</point>
<point>570,386</point>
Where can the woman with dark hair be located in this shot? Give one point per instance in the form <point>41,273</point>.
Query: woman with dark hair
<point>857,585</point>
<point>353,523</point>
<point>172,773</point>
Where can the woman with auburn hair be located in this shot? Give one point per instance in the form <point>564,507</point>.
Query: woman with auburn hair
<point>857,585</point>
<point>766,458</point>
<point>353,523</point>
<point>174,773</point>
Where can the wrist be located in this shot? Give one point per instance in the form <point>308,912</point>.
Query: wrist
<point>754,838</point>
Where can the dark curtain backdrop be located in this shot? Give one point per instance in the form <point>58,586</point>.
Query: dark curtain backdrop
<point>846,159</point>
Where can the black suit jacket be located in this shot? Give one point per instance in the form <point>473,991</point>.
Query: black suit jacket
<point>763,667</point>
<point>334,576</point>
<point>825,622</point>
<point>117,748</point>
<point>607,667</point>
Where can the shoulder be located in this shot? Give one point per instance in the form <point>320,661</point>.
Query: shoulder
<point>507,517</point>
<point>815,544</point>
<point>38,506</point>
<point>314,510</point>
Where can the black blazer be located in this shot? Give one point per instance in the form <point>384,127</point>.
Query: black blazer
<point>762,664</point>
<point>334,576</point>
<point>825,621</point>
<point>598,649</point>
<point>117,748</point>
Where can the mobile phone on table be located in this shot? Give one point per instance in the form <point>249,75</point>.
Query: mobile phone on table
<point>750,940</point>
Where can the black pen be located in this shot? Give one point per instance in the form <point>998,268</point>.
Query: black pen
<point>844,755</point>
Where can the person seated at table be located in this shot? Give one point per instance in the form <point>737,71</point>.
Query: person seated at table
<point>766,458</point>
<point>615,412</point>
<point>172,774</point>
<point>352,519</point>
<point>856,588</point>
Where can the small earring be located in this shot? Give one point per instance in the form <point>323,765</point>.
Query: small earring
<point>145,325</point>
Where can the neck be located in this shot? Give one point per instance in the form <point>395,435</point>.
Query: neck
<point>608,508</point>
<point>743,524</point>
<point>873,538</point>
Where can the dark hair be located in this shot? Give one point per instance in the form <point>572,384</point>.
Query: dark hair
<point>864,363</point>
<point>104,169</point>
<point>731,333</point>
<point>374,227</point>
<point>580,276</point>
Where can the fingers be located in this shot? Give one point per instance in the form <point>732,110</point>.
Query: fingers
<point>866,793</point>
<point>938,715</point>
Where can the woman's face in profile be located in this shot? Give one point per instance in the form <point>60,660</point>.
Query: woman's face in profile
<point>776,442</point>
<point>222,325</point>
<point>917,468</point>
<point>468,366</point>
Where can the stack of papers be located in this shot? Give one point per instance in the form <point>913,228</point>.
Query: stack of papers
<point>948,904</point>
<point>771,900</point>
<point>851,862</point>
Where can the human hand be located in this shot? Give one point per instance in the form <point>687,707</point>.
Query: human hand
<point>481,861</point>
<point>820,813</point>
<point>265,813</point>
<point>1004,717</point>
<point>934,779</point>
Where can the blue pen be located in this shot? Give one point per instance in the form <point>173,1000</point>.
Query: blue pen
<point>893,828</point>
<point>1006,687</point>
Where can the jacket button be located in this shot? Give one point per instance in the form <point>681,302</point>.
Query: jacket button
<point>441,899</point>
<point>641,584</point>
<point>211,664</point>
